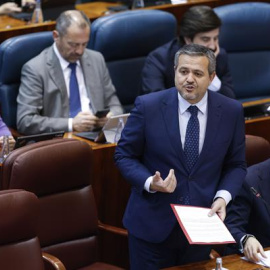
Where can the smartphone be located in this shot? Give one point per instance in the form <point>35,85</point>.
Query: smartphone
<point>102,113</point>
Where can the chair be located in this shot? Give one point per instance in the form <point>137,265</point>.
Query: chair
<point>125,39</point>
<point>19,244</point>
<point>59,172</point>
<point>14,53</point>
<point>245,36</point>
<point>257,149</point>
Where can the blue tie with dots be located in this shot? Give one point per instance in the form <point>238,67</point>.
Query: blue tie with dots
<point>191,147</point>
<point>74,94</point>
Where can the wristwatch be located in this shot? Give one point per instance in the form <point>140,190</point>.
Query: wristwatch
<point>244,240</point>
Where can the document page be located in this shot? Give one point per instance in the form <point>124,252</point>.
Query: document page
<point>263,261</point>
<point>199,228</point>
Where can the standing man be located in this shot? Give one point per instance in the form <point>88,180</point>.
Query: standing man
<point>183,145</point>
<point>66,84</point>
<point>199,25</point>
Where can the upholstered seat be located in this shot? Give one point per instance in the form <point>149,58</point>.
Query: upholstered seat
<point>245,36</point>
<point>125,39</point>
<point>19,245</point>
<point>14,53</point>
<point>59,172</point>
<point>257,149</point>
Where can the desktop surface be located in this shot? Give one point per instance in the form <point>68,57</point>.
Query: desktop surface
<point>231,262</point>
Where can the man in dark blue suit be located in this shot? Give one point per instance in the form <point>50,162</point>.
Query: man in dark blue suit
<point>248,217</point>
<point>153,156</point>
<point>199,25</point>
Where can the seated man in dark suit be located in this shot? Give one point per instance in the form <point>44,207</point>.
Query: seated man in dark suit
<point>248,217</point>
<point>199,25</point>
<point>66,84</point>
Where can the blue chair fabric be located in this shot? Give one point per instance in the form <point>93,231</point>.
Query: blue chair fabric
<point>245,36</point>
<point>14,53</point>
<point>125,39</point>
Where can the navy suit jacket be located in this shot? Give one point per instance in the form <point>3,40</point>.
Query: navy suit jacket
<point>151,141</point>
<point>249,214</point>
<point>158,70</point>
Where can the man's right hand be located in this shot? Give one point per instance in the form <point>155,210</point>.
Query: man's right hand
<point>167,185</point>
<point>84,121</point>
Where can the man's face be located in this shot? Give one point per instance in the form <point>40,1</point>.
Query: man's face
<point>208,39</point>
<point>72,45</point>
<point>192,78</point>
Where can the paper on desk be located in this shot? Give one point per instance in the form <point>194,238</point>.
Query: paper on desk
<point>263,261</point>
<point>199,228</point>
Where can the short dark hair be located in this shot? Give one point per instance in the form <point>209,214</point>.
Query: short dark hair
<point>198,19</point>
<point>197,50</point>
<point>69,17</point>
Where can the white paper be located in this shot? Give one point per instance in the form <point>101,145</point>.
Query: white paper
<point>199,228</point>
<point>263,261</point>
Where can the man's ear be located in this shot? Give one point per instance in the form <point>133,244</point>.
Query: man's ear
<point>212,76</point>
<point>187,40</point>
<point>55,35</point>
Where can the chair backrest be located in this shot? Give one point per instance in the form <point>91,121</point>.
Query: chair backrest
<point>245,36</point>
<point>59,172</point>
<point>19,245</point>
<point>257,149</point>
<point>125,39</point>
<point>14,53</point>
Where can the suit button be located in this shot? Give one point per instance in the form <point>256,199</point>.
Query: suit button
<point>181,199</point>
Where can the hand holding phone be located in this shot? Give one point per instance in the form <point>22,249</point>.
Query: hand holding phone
<point>102,113</point>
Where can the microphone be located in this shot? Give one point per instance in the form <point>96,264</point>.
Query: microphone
<point>258,195</point>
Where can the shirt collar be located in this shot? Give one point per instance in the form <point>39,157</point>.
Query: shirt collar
<point>184,104</point>
<point>63,63</point>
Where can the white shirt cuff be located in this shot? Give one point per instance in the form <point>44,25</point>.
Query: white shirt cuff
<point>224,194</point>
<point>215,84</point>
<point>148,183</point>
<point>70,129</point>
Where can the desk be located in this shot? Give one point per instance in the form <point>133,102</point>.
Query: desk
<point>10,27</point>
<point>259,126</point>
<point>232,262</point>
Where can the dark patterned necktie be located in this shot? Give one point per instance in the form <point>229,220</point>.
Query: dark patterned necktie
<point>191,147</point>
<point>74,94</point>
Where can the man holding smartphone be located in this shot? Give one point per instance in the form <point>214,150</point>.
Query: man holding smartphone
<point>65,86</point>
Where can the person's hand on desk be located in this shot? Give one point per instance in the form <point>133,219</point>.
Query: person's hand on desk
<point>9,8</point>
<point>251,248</point>
<point>219,207</point>
<point>11,142</point>
<point>167,185</point>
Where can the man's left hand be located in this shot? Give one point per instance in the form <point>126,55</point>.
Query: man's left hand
<point>219,207</point>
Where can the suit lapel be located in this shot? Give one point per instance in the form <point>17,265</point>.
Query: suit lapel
<point>89,83</point>
<point>57,77</point>
<point>169,108</point>
<point>56,71</point>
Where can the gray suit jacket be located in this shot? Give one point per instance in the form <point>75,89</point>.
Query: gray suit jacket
<point>43,104</point>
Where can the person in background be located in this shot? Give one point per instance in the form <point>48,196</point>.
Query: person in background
<point>199,25</point>
<point>66,84</point>
<point>11,7</point>
<point>4,131</point>
<point>248,217</point>
<point>184,145</point>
